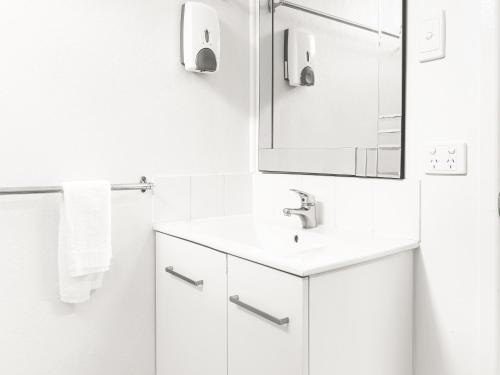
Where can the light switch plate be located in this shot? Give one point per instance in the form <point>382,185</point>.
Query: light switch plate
<point>446,158</point>
<point>433,37</point>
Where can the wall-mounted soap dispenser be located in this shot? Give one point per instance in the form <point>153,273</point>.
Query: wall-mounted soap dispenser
<point>300,47</point>
<point>200,38</point>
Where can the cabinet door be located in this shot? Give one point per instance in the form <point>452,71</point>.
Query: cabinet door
<point>191,308</point>
<point>261,340</point>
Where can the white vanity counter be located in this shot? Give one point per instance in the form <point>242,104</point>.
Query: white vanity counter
<point>243,295</point>
<point>273,243</point>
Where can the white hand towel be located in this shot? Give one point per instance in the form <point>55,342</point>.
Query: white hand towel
<point>84,238</point>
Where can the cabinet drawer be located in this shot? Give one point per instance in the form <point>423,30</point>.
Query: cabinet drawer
<point>191,313</point>
<point>267,320</point>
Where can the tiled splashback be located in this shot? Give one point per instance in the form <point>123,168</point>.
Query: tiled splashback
<point>389,208</point>
<point>201,196</point>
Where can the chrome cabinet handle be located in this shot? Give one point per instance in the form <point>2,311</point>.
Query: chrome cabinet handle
<point>171,271</point>
<point>278,321</point>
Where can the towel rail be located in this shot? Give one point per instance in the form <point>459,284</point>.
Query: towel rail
<point>273,5</point>
<point>143,185</point>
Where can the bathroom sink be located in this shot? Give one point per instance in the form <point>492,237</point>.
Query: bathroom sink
<point>271,236</point>
<point>279,239</point>
<point>283,244</point>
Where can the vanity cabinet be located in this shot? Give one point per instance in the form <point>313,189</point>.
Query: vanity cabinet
<point>218,314</point>
<point>262,344</point>
<point>191,309</point>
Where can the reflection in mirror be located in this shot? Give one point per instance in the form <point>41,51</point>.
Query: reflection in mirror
<point>332,87</point>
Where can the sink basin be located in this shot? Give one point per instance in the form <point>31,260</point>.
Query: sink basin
<point>272,236</point>
<point>279,239</point>
<point>283,244</point>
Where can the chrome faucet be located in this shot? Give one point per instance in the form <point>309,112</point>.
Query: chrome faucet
<point>306,212</point>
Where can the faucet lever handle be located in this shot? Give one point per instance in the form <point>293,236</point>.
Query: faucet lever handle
<point>306,198</point>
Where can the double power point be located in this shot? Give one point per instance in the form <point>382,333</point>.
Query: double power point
<point>446,159</point>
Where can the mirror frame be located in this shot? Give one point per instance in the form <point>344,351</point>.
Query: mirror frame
<point>330,162</point>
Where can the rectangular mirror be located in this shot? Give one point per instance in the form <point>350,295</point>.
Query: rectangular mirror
<point>332,87</point>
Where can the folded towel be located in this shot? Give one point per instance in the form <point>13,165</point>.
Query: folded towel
<point>84,238</point>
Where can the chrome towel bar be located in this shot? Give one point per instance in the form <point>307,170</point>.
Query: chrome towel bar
<point>143,185</point>
<point>285,3</point>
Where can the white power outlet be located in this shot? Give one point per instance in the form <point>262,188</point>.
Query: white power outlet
<point>446,159</point>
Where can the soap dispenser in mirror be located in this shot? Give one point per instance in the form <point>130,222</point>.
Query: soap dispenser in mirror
<point>300,47</point>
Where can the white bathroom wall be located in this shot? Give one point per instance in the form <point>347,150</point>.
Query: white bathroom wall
<point>456,99</point>
<point>94,89</point>
<point>457,278</point>
<point>489,238</point>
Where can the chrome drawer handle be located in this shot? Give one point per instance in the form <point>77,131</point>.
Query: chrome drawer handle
<point>171,271</point>
<point>278,321</point>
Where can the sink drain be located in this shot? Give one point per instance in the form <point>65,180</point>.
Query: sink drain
<point>296,238</point>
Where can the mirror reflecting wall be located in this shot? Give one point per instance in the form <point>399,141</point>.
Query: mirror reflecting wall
<point>332,87</point>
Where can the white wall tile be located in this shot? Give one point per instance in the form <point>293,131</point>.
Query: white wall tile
<point>171,198</point>
<point>354,204</point>
<point>389,208</point>
<point>397,208</point>
<point>272,193</point>
<point>238,194</point>
<point>201,196</point>
<point>207,196</point>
